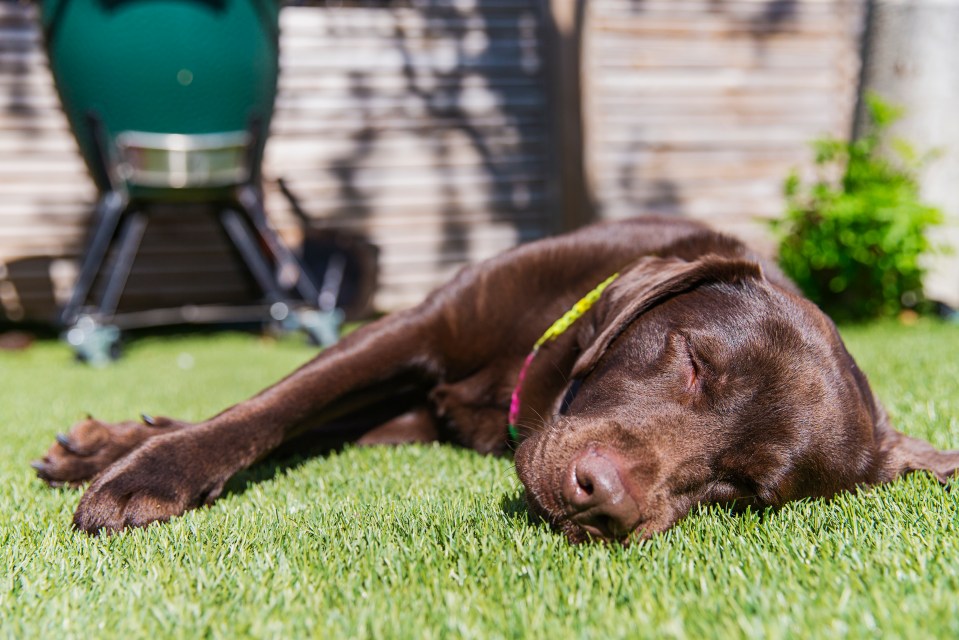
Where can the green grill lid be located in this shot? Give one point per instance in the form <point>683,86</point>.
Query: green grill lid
<point>163,66</point>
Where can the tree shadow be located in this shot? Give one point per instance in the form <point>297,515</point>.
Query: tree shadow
<point>639,186</point>
<point>656,196</point>
<point>444,94</point>
<point>469,85</point>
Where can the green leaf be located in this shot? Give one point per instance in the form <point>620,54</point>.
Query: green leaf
<point>854,244</point>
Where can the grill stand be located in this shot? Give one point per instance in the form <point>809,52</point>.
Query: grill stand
<point>292,300</point>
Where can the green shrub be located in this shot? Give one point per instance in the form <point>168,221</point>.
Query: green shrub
<point>853,238</point>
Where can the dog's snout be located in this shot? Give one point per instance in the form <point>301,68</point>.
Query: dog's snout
<point>597,492</point>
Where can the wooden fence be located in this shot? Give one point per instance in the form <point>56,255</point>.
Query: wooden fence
<point>701,108</point>
<point>447,130</point>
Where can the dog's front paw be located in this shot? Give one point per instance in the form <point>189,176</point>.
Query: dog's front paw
<point>92,446</point>
<point>153,484</point>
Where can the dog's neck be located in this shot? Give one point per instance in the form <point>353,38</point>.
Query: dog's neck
<point>555,330</point>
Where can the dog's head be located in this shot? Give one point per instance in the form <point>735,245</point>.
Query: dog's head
<point>698,382</point>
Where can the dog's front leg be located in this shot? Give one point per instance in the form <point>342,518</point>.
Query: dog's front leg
<point>175,472</point>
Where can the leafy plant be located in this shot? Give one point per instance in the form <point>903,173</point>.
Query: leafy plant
<point>853,238</point>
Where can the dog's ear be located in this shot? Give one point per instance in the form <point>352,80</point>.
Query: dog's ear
<point>645,283</point>
<point>903,454</point>
<point>899,454</point>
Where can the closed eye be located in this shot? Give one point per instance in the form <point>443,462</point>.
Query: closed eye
<point>684,358</point>
<point>570,396</point>
<point>695,369</point>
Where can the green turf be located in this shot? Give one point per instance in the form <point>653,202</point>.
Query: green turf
<point>433,542</point>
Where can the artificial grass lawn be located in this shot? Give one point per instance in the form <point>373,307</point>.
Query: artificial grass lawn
<point>432,541</point>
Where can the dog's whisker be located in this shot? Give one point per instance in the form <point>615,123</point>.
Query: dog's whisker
<point>563,374</point>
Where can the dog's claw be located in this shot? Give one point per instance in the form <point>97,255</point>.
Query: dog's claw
<point>65,442</point>
<point>44,473</point>
<point>92,446</point>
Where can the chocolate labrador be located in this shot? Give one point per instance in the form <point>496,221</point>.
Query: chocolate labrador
<point>684,370</point>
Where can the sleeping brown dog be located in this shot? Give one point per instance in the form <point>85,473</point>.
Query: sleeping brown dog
<point>699,375</point>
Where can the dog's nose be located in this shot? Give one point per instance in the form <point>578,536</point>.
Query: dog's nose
<point>598,496</point>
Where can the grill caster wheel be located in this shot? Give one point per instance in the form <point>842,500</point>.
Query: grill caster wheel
<point>321,327</point>
<point>94,344</point>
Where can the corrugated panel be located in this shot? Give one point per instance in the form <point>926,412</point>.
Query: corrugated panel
<point>701,108</point>
<point>420,126</point>
<point>425,125</point>
<point>44,191</point>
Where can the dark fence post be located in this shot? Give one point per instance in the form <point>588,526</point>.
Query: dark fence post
<point>565,24</point>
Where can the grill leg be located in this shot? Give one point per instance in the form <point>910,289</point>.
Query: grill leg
<point>107,216</point>
<point>131,233</point>
<point>245,242</point>
<point>291,272</point>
